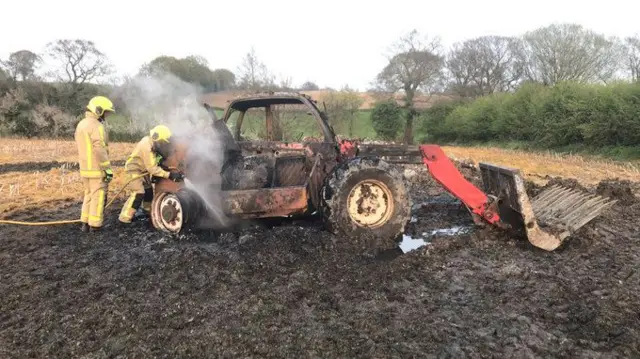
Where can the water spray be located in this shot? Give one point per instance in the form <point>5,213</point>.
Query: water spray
<point>162,98</point>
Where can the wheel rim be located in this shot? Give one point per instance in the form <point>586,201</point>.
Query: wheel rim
<point>168,213</point>
<point>370,204</point>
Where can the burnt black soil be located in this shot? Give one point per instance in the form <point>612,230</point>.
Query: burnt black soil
<point>295,291</point>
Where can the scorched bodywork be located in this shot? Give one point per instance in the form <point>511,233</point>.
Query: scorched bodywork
<point>356,188</point>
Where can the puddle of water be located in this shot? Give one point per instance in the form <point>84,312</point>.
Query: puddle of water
<point>451,231</point>
<point>410,243</point>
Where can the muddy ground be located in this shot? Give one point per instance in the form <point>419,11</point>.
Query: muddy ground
<point>293,290</point>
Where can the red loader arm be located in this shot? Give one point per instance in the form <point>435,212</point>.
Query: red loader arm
<point>446,173</point>
<point>483,208</point>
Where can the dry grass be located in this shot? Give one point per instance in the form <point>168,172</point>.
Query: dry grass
<point>25,150</point>
<point>22,190</point>
<point>535,166</point>
<point>26,189</point>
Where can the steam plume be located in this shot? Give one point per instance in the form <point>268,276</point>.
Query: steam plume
<point>165,99</point>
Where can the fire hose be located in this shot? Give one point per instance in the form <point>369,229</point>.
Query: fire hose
<point>24,223</point>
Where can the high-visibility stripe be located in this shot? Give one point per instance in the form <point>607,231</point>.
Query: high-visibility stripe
<point>128,212</point>
<point>130,201</point>
<point>133,155</point>
<point>100,208</point>
<point>105,164</point>
<point>124,219</point>
<point>89,150</point>
<point>101,131</point>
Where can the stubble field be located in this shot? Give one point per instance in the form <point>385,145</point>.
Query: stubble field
<point>290,289</point>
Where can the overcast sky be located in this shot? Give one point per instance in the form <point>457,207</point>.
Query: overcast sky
<point>330,42</point>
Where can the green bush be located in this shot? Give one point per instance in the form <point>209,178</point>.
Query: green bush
<point>567,115</point>
<point>431,125</point>
<point>15,114</point>
<point>39,109</point>
<point>386,119</point>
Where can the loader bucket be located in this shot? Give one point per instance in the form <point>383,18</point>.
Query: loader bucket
<point>548,218</point>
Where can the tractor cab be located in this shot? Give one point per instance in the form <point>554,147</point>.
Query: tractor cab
<point>278,149</point>
<point>272,140</point>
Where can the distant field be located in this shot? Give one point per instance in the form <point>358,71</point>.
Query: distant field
<point>221,99</point>
<point>30,150</point>
<point>32,185</point>
<point>295,127</point>
<point>38,181</point>
<point>537,165</point>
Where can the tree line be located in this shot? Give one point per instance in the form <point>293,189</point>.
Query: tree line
<point>38,102</point>
<point>486,65</point>
<point>567,117</point>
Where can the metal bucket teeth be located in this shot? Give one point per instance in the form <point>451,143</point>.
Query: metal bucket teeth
<point>567,209</point>
<point>550,217</point>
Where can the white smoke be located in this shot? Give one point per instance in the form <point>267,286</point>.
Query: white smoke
<point>165,99</point>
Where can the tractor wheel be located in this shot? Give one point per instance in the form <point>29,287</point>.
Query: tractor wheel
<point>366,200</point>
<point>175,212</point>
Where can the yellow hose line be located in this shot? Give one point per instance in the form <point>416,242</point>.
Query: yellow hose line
<point>2,221</point>
<point>22,223</point>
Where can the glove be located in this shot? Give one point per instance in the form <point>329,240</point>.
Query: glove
<point>176,176</point>
<point>108,175</point>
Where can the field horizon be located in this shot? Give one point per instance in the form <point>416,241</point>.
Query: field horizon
<point>28,181</point>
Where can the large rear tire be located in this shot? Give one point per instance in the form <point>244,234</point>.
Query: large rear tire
<point>366,201</point>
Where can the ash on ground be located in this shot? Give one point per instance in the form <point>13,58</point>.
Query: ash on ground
<point>291,289</point>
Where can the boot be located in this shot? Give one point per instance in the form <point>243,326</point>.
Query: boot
<point>140,215</point>
<point>85,227</point>
<point>122,224</point>
<point>95,229</point>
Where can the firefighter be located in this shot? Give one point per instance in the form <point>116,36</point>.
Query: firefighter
<point>93,158</point>
<point>146,157</point>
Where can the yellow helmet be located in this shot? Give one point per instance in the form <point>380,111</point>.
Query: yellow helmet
<point>99,104</point>
<point>160,133</point>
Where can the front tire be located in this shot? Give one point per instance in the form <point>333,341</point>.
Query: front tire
<point>366,200</point>
<point>176,212</point>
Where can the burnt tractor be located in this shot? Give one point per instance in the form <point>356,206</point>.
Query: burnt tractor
<point>356,188</point>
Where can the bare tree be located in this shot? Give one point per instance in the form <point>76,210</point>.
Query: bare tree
<point>286,83</point>
<point>485,65</point>
<point>22,64</point>
<point>414,65</point>
<point>80,61</point>
<point>253,74</point>
<point>632,54</point>
<point>569,52</point>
